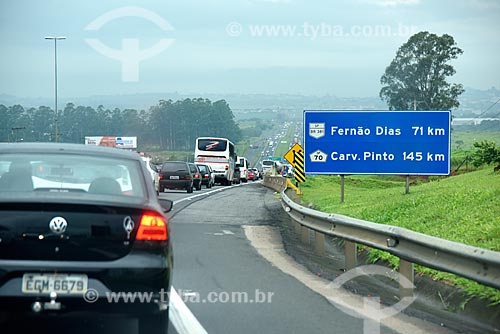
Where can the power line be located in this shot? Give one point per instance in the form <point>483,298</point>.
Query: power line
<point>484,112</point>
<point>491,116</point>
<point>491,126</point>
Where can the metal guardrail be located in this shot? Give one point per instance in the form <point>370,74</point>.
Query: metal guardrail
<point>411,247</point>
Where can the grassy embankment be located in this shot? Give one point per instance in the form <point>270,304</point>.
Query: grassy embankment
<point>463,208</point>
<point>284,143</point>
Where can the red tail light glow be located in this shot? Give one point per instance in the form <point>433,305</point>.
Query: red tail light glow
<point>226,167</point>
<point>152,227</point>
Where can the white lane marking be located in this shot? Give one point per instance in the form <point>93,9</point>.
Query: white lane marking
<point>208,193</point>
<point>227,232</point>
<point>181,316</point>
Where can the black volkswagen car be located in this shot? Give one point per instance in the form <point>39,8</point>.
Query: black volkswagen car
<point>80,224</point>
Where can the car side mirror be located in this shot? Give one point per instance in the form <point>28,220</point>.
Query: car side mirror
<point>166,204</point>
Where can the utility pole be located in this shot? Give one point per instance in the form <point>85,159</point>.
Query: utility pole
<point>56,120</point>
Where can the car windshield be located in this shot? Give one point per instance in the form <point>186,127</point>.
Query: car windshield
<point>68,176</point>
<point>173,166</point>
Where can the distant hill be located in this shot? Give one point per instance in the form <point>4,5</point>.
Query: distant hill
<point>238,102</point>
<point>472,101</point>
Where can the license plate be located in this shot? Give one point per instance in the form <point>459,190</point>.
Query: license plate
<point>174,177</point>
<point>59,283</point>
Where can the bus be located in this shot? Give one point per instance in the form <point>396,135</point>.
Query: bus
<point>219,153</point>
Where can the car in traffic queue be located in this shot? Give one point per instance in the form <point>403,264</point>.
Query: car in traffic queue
<point>152,169</point>
<point>288,170</point>
<point>207,175</point>
<point>251,174</point>
<point>78,224</point>
<point>196,176</point>
<point>237,174</point>
<point>243,163</point>
<point>176,175</point>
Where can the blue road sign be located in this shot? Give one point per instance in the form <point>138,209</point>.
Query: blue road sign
<point>377,142</point>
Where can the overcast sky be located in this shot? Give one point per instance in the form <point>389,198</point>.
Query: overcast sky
<point>229,46</point>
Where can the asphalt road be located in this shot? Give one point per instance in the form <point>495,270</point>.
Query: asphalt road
<point>213,258</point>
<point>225,284</point>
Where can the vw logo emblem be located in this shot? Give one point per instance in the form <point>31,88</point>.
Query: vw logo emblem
<point>128,224</point>
<point>58,225</point>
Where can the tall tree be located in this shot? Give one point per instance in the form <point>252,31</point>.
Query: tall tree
<point>43,124</point>
<point>5,121</point>
<point>416,77</point>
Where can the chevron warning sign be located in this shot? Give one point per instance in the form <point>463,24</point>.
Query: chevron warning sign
<point>295,156</point>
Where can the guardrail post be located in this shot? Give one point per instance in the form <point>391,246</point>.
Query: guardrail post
<point>319,243</point>
<point>304,235</point>
<point>406,270</point>
<point>351,254</point>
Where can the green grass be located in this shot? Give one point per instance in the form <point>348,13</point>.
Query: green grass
<point>282,148</point>
<point>463,208</point>
<point>242,147</point>
<point>465,139</point>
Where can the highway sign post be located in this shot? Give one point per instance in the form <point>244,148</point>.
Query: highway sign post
<point>295,156</point>
<point>377,142</point>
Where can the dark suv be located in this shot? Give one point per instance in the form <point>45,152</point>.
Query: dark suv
<point>79,224</point>
<point>176,175</point>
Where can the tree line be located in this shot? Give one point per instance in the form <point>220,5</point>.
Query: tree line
<point>168,125</point>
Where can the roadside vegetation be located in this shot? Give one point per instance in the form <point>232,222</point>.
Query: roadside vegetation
<point>283,145</point>
<point>168,125</point>
<point>462,208</point>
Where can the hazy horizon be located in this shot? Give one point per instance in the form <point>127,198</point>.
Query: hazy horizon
<point>336,48</point>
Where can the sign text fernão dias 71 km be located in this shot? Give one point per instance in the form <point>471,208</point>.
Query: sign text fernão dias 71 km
<point>377,142</point>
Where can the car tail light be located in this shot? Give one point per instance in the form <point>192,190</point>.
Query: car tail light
<point>152,227</point>
<point>160,177</point>
<point>205,176</point>
<point>196,176</point>
<point>226,167</point>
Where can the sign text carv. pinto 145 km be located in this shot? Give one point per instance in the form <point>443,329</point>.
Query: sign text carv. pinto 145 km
<point>377,142</point>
